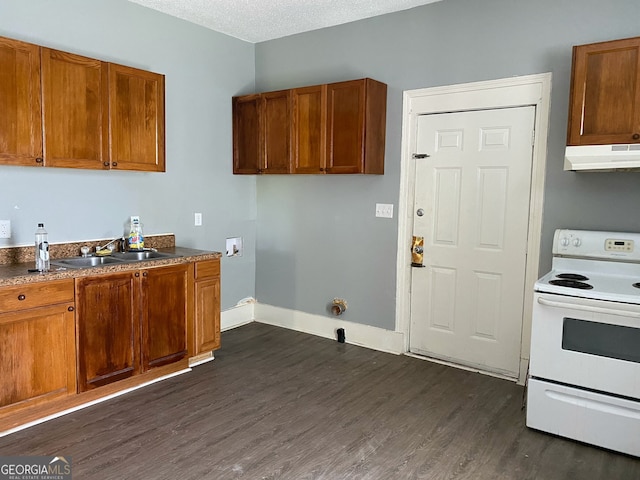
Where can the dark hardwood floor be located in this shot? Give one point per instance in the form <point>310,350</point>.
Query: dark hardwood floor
<point>278,404</point>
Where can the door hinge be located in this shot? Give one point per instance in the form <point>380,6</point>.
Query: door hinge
<point>419,155</point>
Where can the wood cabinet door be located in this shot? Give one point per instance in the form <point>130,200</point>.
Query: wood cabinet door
<point>107,329</point>
<point>20,107</point>
<point>207,306</point>
<point>605,93</point>
<point>164,303</point>
<point>309,121</point>
<point>38,355</point>
<point>75,105</point>
<point>276,132</point>
<point>207,315</point>
<point>345,127</point>
<point>247,144</point>
<point>136,119</point>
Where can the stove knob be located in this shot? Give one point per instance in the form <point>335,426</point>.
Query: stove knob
<point>577,242</point>
<point>564,241</point>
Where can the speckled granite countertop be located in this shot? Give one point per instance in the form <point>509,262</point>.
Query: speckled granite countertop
<point>17,273</point>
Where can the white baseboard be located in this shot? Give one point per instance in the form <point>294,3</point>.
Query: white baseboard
<point>355,333</point>
<point>237,316</point>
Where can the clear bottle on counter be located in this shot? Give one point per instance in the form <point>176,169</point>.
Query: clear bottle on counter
<point>42,249</point>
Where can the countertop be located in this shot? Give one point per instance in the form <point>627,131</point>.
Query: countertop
<point>17,273</point>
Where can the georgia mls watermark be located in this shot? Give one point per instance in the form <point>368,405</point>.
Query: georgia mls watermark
<point>35,468</point>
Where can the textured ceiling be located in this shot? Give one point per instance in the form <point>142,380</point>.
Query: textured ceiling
<point>259,20</point>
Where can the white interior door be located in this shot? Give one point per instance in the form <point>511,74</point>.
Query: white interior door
<point>474,192</point>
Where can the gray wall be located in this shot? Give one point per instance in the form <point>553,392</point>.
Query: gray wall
<point>317,236</point>
<point>203,69</point>
<point>308,238</point>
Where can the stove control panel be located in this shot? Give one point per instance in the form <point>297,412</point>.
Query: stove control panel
<point>618,245</point>
<point>594,244</point>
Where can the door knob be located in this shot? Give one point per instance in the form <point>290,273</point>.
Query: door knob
<point>420,212</point>
<point>418,250</point>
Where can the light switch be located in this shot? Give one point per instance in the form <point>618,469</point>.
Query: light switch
<point>197,219</point>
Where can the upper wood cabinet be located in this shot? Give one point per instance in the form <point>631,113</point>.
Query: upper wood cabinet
<point>309,129</point>
<point>247,149</point>
<point>65,110</point>
<point>74,94</point>
<point>261,133</point>
<point>332,128</point>
<point>604,103</point>
<point>136,119</point>
<point>276,130</point>
<point>21,117</point>
<point>356,122</point>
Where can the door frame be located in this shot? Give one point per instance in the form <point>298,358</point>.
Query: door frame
<point>486,95</point>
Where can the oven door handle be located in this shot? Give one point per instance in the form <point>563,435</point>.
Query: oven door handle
<point>588,308</point>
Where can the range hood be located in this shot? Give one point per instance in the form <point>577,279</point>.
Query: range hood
<point>603,158</point>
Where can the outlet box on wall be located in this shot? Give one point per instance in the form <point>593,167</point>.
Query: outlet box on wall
<point>234,247</point>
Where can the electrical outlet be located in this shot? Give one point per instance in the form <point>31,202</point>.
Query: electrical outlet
<point>197,219</point>
<point>5,228</point>
<point>384,210</point>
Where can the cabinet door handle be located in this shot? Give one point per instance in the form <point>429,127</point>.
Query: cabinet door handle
<point>39,160</point>
<point>106,164</point>
<point>144,274</point>
<point>71,309</point>
<point>114,164</point>
<point>137,274</point>
<point>22,297</point>
<point>636,136</point>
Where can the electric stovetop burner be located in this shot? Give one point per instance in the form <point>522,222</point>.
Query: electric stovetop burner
<point>572,276</point>
<point>571,284</point>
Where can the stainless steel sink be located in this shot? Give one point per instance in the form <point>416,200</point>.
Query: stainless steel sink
<point>115,258</point>
<point>84,262</point>
<point>139,256</point>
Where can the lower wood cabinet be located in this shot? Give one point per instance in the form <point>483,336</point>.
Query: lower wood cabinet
<point>66,342</point>
<point>207,306</point>
<point>164,301</point>
<point>130,322</point>
<point>37,344</point>
<point>108,329</point>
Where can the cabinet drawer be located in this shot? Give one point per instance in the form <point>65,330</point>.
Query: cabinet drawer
<point>207,268</point>
<point>32,295</point>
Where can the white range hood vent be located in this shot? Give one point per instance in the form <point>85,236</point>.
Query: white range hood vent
<point>603,158</point>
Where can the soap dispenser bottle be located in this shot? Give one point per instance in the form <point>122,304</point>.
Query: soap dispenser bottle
<point>136,239</point>
<point>42,249</point>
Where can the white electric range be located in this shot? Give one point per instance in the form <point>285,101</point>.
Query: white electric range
<point>584,374</point>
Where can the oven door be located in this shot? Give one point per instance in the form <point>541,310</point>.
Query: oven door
<point>586,343</point>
